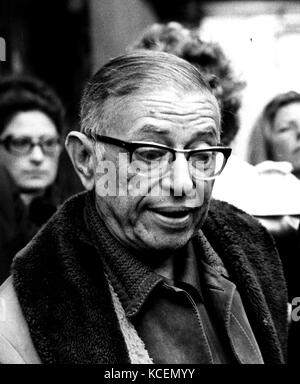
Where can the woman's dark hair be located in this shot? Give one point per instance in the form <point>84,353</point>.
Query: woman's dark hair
<point>278,102</point>
<point>209,58</point>
<point>259,142</point>
<point>22,94</point>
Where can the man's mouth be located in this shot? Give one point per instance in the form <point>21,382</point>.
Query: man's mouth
<point>172,216</point>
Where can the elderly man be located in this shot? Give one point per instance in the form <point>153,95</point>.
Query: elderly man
<point>143,267</point>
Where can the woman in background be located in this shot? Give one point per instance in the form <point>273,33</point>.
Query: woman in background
<point>276,138</point>
<point>276,135</point>
<point>31,123</point>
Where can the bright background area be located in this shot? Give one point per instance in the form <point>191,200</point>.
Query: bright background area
<point>262,39</point>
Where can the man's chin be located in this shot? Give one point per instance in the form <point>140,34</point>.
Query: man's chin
<point>169,243</point>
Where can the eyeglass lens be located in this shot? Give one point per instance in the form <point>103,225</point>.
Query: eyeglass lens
<point>201,164</point>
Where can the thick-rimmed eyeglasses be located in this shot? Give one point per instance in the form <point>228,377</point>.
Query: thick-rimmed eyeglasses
<point>23,145</point>
<point>148,158</point>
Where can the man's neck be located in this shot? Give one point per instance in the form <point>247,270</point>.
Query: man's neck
<point>166,268</point>
<point>170,264</point>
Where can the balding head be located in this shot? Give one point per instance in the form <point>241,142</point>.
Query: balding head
<point>133,74</point>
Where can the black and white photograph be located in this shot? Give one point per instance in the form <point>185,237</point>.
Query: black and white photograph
<point>149,185</point>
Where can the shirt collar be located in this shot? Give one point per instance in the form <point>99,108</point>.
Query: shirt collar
<point>134,285</point>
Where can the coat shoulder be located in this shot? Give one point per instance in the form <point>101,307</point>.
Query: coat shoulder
<point>16,346</point>
<point>239,221</point>
<point>223,208</point>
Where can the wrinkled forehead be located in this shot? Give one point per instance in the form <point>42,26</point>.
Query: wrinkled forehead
<point>166,107</point>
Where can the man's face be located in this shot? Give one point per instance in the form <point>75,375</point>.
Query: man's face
<point>34,171</point>
<point>158,212</point>
<point>285,137</point>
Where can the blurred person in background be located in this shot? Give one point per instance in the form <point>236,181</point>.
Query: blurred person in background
<point>276,134</point>
<point>275,143</point>
<point>31,122</point>
<point>275,140</point>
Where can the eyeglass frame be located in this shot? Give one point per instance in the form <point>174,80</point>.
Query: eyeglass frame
<point>131,146</point>
<point>39,142</point>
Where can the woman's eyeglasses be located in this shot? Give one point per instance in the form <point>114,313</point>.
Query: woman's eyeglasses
<point>23,145</point>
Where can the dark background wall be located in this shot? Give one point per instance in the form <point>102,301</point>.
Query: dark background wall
<point>50,39</point>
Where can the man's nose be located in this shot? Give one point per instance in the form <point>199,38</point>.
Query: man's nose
<point>36,154</point>
<point>179,180</point>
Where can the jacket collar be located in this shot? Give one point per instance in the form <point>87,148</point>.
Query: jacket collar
<point>231,314</point>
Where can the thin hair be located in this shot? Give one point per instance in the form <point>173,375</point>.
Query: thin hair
<point>134,73</point>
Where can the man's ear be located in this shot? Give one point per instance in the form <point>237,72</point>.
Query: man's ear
<point>80,150</point>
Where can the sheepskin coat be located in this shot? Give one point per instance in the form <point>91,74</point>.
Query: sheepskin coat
<point>60,289</point>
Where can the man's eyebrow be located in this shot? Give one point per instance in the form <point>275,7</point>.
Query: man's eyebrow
<point>204,135</point>
<point>150,129</point>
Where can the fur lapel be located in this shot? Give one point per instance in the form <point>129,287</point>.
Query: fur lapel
<point>64,296</point>
<point>252,261</point>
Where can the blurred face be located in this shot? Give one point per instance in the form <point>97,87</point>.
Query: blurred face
<point>160,212</point>
<point>285,137</point>
<point>35,171</point>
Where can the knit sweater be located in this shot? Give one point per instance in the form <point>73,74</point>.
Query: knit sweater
<point>66,300</point>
